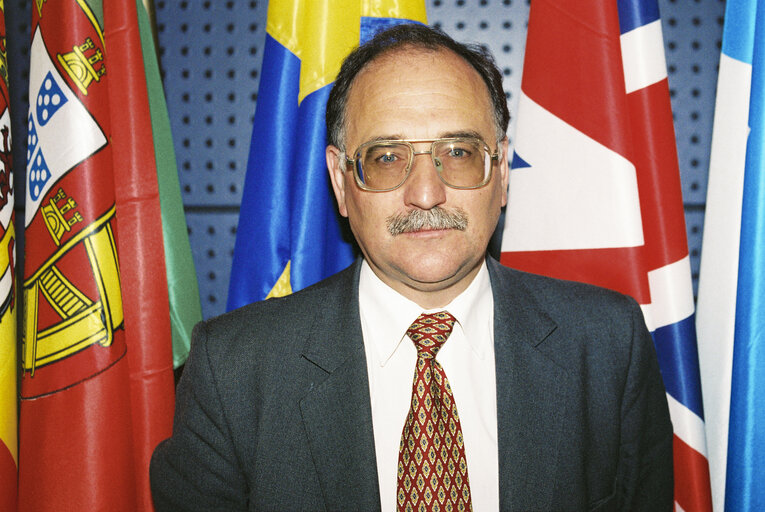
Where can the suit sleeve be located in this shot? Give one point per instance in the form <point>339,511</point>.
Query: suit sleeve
<point>646,448</point>
<point>197,468</point>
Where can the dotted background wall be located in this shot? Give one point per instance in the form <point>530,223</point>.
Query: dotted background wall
<point>211,53</point>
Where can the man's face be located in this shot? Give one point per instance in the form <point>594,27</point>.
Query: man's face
<point>416,94</point>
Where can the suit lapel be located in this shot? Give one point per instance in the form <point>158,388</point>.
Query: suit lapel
<point>533,393</point>
<point>336,412</point>
<point>532,399</point>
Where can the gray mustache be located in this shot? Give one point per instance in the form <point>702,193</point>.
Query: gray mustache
<point>435,218</point>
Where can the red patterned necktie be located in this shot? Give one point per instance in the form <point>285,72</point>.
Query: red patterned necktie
<point>432,468</point>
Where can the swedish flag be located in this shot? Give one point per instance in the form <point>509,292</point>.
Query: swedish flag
<point>289,234</point>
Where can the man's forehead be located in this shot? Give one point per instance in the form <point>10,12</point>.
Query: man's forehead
<point>414,81</point>
<point>408,55</point>
<point>421,68</point>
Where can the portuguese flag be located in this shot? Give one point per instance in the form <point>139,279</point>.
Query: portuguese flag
<point>97,349</point>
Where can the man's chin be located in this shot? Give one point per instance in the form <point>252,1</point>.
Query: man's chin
<point>435,275</point>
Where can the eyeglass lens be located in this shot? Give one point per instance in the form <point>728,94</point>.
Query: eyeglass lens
<point>461,163</point>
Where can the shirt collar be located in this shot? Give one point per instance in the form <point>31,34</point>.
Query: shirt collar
<point>389,314</point>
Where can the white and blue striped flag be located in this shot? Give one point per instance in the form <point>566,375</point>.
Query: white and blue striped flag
<point>731,302</point>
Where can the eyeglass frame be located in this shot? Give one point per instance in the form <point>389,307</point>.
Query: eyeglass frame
<point>495,157</point>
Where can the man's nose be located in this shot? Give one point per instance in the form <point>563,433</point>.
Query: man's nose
<point>424,188</point>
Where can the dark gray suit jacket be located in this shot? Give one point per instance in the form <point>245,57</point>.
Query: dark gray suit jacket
<point>273,409</point>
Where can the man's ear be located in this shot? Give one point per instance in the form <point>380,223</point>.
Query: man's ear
<point>504,171</point>
<point>337,176</point>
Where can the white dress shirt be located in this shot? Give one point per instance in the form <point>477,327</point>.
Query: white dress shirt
<point>468,360</point>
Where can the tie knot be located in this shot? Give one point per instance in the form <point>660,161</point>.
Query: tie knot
<point>430,331</point>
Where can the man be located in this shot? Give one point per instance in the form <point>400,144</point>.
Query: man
<point>308,402</point>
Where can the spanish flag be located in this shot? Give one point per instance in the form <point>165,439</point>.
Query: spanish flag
<point>290,234</point>
<point>8,436</point>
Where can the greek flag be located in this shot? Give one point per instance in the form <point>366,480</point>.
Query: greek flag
<point>731,303</point>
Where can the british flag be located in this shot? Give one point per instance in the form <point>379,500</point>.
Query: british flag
<point>595,191</point>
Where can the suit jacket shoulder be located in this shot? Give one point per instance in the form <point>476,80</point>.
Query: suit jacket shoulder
<point>580,401</point>
<point>245,333</point>
<point>273,409</point>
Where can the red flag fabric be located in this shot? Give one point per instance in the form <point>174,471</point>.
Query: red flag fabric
<point>140,244</point>
<point>97,385</point>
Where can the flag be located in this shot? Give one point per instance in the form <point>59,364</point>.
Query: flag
<point>595,190</point>
<point>731,320</point>
<point>75,402</point>
<point>140,243</point>
<point>183,291</point>
<point>8,406</point>
<point>97,384</point>
<point>290,234</point>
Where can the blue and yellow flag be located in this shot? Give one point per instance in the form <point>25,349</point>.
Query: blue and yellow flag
<point>289,234</point>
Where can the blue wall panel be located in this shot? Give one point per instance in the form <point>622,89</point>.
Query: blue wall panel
<point>211,54</point>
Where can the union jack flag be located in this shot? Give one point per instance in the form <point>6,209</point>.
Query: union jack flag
<point>595,191</point>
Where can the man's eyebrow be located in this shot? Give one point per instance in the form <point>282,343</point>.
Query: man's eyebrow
<point>394,136</point>
<point>468,133</point>
<point>442,135</point>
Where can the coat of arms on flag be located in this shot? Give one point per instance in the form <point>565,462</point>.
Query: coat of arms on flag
<point>67,310</point>
<point>61,132</point>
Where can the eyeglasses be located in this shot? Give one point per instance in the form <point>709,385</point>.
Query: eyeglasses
<point>461,162</point>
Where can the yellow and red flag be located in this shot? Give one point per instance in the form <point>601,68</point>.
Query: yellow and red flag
<point>97,382</point>
<point>8,437</point>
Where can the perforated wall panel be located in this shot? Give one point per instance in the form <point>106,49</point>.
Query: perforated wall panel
<point>692,39</point>
<point>211,54</point>
<point>212,238</point>
<point>17,26</point>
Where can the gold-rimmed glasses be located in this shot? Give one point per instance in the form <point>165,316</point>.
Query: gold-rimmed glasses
<point>461,162</point>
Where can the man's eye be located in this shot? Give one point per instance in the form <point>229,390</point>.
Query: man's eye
<point>387,158</point>
<point>458,153</point>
